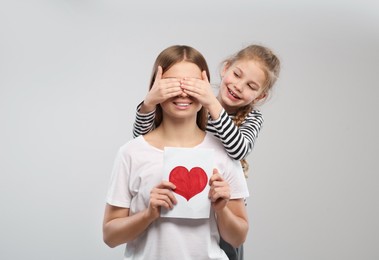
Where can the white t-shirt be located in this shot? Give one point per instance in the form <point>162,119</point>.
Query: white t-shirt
<point>137,169</point>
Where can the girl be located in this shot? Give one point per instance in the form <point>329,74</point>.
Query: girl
<point>137,192</point>
<point>247,78</point>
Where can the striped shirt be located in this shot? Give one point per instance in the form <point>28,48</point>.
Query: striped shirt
<point>238,141</point>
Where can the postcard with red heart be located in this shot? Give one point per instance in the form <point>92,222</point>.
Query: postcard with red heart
<point>189,169</point>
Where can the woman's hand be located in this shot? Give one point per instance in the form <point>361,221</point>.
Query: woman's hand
<point>161,196</point>
<point>219,192</point>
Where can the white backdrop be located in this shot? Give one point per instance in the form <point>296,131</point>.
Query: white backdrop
<point>72,73</point>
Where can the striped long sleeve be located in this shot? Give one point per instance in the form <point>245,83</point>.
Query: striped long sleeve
<point>143,123</point>
<point>238,141</point>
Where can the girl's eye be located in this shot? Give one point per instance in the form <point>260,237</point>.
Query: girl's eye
<point>236,74</point>
<point>252,87</point>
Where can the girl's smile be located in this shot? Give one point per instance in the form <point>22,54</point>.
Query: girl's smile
<point>233,95</point>
<point>242,83</point>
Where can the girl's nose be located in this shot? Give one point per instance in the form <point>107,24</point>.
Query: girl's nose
<point>238,86</point>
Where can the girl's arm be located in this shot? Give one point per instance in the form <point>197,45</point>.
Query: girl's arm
<point>162,89</point>
<point>144,122</point>
<point>238,141</point>
<point>231,216</point>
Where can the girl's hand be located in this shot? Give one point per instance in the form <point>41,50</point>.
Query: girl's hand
<point>219,192</point>
<point>200,89</point>
<point>162,89</point>
<point>161,196</point>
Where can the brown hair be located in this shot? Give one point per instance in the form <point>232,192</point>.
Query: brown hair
<point>270,64</point>
<point>169,57</point>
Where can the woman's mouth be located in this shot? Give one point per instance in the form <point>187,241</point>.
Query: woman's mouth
<point>182,105</point>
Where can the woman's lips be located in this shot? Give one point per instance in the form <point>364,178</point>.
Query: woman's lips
<point>182,105</point>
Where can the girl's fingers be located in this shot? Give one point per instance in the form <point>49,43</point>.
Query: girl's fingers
<point>204,76</point>
<point>158,76</point>
<point>164,89</point>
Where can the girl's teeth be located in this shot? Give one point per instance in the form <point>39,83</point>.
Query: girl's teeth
<point>231,93</point>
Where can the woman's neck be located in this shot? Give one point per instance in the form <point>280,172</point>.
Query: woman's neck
<point>176,133</point>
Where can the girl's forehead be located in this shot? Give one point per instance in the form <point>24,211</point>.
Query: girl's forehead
<point>251,70</point>
<point>246,64</point>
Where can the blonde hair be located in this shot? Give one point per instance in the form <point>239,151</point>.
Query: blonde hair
<point>270,64</point>
<point>169,57</point>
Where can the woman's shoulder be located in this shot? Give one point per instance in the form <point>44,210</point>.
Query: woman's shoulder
<point>131,145</point>
<point>228,166</point>
<point>211,141</point>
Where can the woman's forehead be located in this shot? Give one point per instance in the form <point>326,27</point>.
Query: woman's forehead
<point>183,69</point>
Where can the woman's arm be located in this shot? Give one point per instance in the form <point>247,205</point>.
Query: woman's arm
<point>231,216</point>
<point>120,228</point>
<point>232,222</point>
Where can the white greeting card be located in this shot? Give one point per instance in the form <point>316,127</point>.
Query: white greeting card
<point>189,169</point>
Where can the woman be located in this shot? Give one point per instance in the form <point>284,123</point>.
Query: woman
<point>137,192</point>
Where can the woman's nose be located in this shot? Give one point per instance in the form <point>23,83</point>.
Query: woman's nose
<point>183,94</point>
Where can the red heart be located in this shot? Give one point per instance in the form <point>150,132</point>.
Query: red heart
<point>188,183</point>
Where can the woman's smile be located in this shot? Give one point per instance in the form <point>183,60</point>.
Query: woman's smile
<point>182,104</point>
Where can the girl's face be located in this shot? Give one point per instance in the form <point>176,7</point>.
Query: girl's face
<point>242,83</point>
<point>182,105</point>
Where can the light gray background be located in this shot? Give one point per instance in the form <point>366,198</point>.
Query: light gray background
<point>72,73</point>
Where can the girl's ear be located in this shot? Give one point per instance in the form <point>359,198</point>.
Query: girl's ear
<point>225,67</point>
<point>263,95</point>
